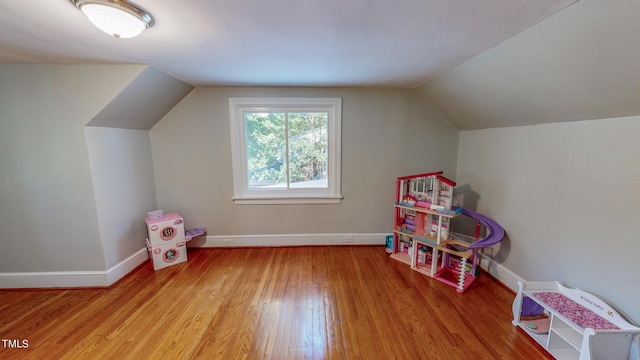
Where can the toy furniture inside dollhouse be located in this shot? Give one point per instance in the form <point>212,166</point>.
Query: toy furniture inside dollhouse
<point>422,236</point>
<point>423,219</point>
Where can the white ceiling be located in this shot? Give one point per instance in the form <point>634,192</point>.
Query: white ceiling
<point>382,43</point>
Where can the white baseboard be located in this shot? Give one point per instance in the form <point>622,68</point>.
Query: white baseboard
<point>288,240</point>
<point>72,279</point>
<point>500,272</point>
<point>124,267</point>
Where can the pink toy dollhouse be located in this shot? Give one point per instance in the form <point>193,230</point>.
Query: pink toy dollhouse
<point>422,236</point>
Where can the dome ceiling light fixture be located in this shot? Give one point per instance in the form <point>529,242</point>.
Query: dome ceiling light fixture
<point>118,18</point>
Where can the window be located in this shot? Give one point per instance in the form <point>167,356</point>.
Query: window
<point>285,151</point>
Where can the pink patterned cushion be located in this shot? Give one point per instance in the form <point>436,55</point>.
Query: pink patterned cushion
<point>575,312</point>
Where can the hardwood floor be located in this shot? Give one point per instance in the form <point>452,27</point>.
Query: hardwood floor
<point>268,303</point>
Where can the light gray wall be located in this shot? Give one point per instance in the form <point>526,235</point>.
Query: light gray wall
<point>47,209</point>
<point>386,133</point>
<point>143,102</point>
<point>567,195</point>
<point>122,173</point>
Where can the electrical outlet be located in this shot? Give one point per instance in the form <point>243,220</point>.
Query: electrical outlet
<point>348,239</point>
<point>227,242</point>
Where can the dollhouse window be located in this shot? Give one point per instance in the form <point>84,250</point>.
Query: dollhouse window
<point>286,151</point>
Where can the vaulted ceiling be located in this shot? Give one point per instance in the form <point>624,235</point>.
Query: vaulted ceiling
<point>579,64</point>
<point>483,63</point>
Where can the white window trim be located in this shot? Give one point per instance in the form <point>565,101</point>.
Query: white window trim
<point>242,194</point>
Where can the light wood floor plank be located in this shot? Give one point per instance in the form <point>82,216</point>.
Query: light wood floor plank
<point>268,303</point>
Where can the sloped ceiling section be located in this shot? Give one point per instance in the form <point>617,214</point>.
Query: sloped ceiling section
<point>578,64</point>
<point>144,102</point>
<point>355,43</point>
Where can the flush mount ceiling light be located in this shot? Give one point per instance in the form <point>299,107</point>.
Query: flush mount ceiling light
<point>118,18</point>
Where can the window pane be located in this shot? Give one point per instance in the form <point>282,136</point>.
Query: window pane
<point>286,150</point>
<point>308,145</point>
<point>265,149</point>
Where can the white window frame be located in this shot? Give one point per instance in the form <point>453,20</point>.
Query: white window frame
<point>242,194</point>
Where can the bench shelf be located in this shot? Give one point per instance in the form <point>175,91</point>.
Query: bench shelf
<point>582,326</point>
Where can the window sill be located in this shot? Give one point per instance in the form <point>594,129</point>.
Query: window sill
<point>297,200</point>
